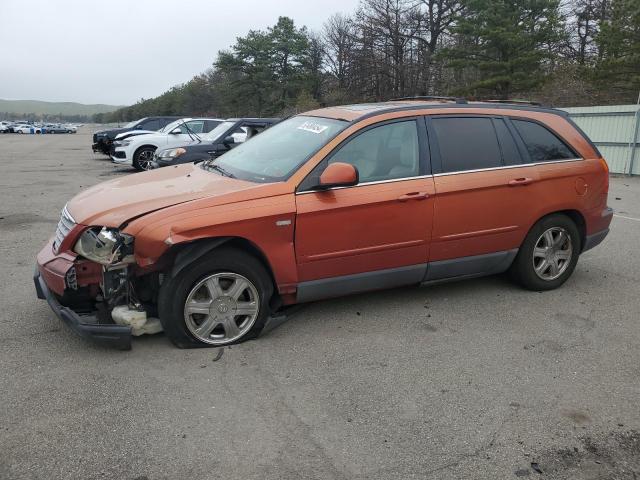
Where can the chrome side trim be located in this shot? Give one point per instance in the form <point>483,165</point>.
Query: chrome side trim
<point>504,167</point>
<point>478,233</point>
<point>363,184</point>
<point>364,250</point>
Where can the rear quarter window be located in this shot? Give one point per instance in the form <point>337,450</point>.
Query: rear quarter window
<point>542,144</point>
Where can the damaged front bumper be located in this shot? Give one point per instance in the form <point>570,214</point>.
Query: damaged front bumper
<point>87,326</point>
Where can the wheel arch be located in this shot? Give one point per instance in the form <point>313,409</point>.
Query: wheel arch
<point>576,217</point>
<point>183,254</point>
<point>146,145</point>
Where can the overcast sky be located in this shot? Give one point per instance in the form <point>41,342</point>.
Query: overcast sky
<point>117,51</point>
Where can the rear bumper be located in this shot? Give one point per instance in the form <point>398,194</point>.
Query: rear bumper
<point>594,239</point>
<point>116,336</point>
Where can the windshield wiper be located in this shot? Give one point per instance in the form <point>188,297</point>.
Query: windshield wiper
<point>222,171</point>
<point>191,133</point>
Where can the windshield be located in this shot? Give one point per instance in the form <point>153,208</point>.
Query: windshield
<point>218,131</point>
<point>131,124</point>
<point>279,151</point>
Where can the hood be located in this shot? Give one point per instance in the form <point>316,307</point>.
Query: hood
<point>115,202</point>
<point>112,132</point>
<point>133,133</point>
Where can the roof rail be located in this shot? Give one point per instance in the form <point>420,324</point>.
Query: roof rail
<point>514,102</point>
<point>460,100</point>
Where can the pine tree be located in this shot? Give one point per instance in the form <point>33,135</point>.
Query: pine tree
<point>502,45</point>
<point>619,42</point>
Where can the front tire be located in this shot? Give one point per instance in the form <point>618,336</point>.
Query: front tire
<point>548,255</point>
<point>219,300</point>
<point>143,158</point>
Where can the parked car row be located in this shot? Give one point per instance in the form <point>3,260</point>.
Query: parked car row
<point>327,203</point>
<point>103,139</point>
<point>229,134</point>
<point>36,128</point>
<point>138,149</point>
<point>183,140</point>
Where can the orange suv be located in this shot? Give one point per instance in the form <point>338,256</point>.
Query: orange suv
<point>331,202</point>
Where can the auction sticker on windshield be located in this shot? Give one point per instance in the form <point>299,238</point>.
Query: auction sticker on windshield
<point>313,127</point>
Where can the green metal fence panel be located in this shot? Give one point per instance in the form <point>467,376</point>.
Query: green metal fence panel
<point>614,130</point>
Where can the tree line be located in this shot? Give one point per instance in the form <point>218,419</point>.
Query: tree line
<point>559,52</point>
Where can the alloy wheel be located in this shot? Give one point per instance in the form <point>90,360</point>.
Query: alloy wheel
<point>552,253</point>
<point>145,157</point>
<point>221,308</point>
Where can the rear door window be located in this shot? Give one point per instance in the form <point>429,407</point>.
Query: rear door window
<point>151,125</point>
<point>542,144</point>
<point>467,143</point>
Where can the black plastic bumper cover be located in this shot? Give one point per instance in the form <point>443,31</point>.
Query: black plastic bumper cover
<point>116,336</point>
<point>595,239</point>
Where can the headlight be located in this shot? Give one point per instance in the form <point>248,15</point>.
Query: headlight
<point>172,153</point>
<point>125,143</point>
<point>105,245</point>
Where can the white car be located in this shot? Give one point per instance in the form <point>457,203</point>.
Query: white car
<point>138,150</point>
<point>26,129</point>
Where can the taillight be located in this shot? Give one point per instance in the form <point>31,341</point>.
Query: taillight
<point>605,167</point>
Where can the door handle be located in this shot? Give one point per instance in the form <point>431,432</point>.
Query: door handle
<point>413,196</point>
<point>516,182</point>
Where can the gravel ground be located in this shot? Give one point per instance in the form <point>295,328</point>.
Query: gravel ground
<point>469,380</point>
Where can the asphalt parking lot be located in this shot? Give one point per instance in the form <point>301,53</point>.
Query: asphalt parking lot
<point>469,380</point>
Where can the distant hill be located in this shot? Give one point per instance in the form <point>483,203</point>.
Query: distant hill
<point>23,107</point>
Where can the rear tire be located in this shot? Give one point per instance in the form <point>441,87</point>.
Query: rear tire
<point>143,157</point>
<point>217,300</point>
<point>548,255</point>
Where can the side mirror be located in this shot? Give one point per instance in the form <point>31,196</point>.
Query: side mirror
<point>229,140</point>
<point>338,174</point>
<point>176,131</point>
